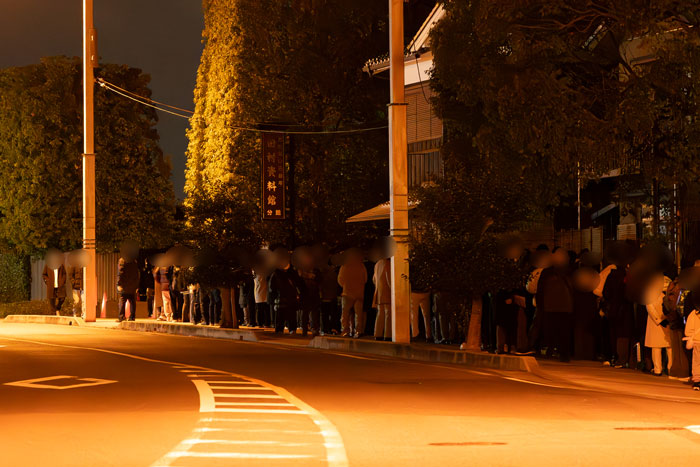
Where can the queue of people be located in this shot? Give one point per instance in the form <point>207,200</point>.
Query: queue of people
<point>629,311</point>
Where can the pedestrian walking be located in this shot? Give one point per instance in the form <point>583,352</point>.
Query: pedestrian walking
<point>352,277</point>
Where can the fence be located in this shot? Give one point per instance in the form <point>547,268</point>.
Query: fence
<point>106,277</point>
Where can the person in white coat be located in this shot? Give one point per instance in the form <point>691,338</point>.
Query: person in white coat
<point>382,299</point>
<point>658,333</point>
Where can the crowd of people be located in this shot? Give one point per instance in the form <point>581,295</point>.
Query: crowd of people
<point>628,309</point>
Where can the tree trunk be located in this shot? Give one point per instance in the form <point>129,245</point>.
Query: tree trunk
<point>226,311</point>
<point>474,333</point>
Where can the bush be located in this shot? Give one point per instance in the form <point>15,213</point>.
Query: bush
<point>14,278</point>
<point>34,307</point>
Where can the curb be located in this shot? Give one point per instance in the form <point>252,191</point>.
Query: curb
<point>427,354</point>
<point>44,319</point>
<point>192,331</point>
<point>387,349</point>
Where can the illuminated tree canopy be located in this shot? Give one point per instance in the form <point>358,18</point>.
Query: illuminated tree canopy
<point>286,65</point>
<point>41,160</point>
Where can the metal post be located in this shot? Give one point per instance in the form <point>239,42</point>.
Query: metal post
<point>398,178</point>
<point>89,235</point>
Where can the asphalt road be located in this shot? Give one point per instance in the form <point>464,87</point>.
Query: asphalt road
<point>109,397</point>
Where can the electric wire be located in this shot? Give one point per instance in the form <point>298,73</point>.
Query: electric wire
<point>148,99</point>
<point>145,101</point>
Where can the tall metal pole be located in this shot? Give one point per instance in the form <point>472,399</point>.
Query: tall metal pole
<point>89,235</point>
<point>398,178</point>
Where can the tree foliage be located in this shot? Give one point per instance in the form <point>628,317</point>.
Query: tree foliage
<point>534,91</point>
<point>595,84</point>
<point>41,160</point>
<point>293,65</point>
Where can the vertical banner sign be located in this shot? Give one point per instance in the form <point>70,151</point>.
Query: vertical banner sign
<point>273,176</point>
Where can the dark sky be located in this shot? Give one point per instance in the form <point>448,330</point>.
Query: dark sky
<point>162,37</point>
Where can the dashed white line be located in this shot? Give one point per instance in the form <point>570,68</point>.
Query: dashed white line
<point>271,411</point>
<point>248,396</point>
<point>245,442</point>
<point>254,404</point>
<point>238,455</point>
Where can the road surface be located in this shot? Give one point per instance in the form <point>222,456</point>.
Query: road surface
<point>75,396</point>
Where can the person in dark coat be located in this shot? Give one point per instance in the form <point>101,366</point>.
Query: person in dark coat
<point>147,287</point>
<point>555,298</point>
<point>178,285</point>
<point>621,317</point>
<point>284,293</point>
<point>127,286</point>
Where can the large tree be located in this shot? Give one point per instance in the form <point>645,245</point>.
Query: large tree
<point>534,93</point>
<point>295,66</point>
<point>41,160</point>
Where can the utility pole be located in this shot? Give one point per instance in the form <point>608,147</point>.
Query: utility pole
<point>398,178</point>
<point>89,233</point>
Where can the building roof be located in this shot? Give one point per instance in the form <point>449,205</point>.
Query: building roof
<point>419,43</point>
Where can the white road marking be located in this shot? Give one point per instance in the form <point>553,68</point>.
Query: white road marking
<point>694,428</point>
<point>248,396</point>
<point>354,356</point>
<point>206,396</point>
<point>241,388</point>
<point>277,411</point>
<point>243,383</point>
<point>237,455</point>
<point>257,430</point>
<point>36,383</point>
<point>244,442</point>
<point>242,420</point>
<point>254,404</point>
<point>547,385</point>
<point>335,450</point>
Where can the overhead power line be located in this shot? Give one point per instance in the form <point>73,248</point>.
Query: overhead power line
<point>157,105</point>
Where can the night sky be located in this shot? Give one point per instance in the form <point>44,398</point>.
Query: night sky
<point>162,37</point>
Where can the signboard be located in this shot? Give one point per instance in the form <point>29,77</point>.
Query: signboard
<point>273,177</point>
